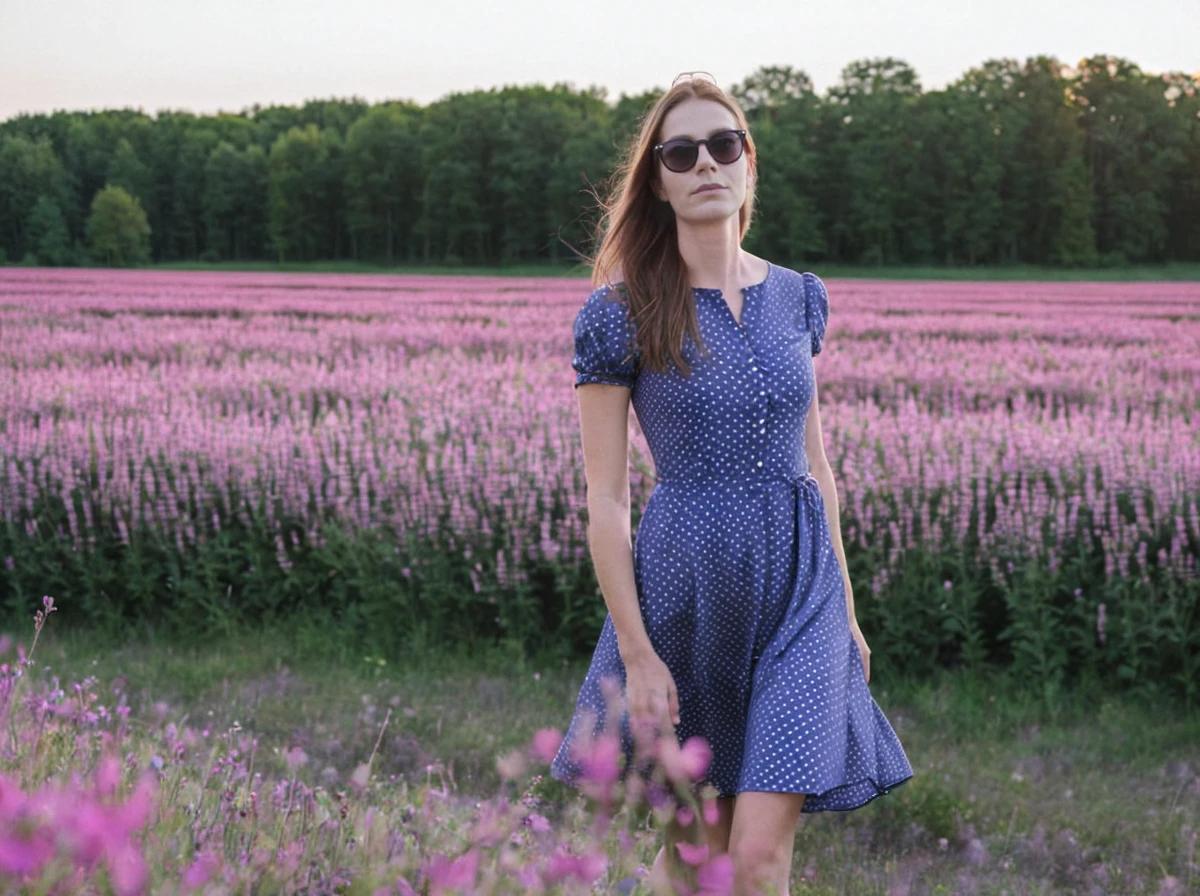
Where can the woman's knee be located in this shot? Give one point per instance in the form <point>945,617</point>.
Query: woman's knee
<point>761,869</point>
<point>760,857</point>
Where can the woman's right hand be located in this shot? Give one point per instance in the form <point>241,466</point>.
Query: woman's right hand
<point>650,693</point>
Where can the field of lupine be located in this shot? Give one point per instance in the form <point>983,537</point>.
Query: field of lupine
<point>216,825</point>
<point>105,788</point>
<point>1018,464</point>
<point>1019,476</point>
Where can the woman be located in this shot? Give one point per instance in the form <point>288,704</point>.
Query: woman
<point>732,617</point>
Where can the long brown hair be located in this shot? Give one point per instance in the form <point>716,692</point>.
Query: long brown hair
<point>637,235</point>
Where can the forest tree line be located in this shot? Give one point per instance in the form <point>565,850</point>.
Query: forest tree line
<point>1035,162</point>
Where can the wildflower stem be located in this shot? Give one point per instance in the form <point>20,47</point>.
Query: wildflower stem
<point>378,740</point>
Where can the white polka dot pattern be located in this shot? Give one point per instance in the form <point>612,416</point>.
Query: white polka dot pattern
<point>739,586</point>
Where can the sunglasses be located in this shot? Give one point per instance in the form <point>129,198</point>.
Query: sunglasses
<point>691,76</point>
<point>680,155</point>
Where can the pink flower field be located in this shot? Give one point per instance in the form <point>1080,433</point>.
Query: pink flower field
<point>1018,467</point>
<point>407,402</point>
<point>93,801</point>
<point>1037,443</point>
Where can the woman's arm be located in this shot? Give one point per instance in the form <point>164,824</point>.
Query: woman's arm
<point>604,424</point>
<point>818,465</point>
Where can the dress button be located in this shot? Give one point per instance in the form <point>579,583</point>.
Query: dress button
<point>759,464</point>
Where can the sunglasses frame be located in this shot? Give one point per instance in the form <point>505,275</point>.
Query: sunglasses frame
<point>694,146</point>
<point>688,75</point>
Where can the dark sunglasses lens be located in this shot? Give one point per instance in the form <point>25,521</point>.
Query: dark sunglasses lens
<point>680,156</point>
<point>725,148</point>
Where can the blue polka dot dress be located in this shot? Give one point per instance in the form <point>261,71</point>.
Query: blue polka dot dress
<point>739,586</point>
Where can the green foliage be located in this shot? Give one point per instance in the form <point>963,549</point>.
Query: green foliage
<point>304,200</point>
<point>929,802</point>
<point>235,201</point>
<point>383,184</point>
<point>1014,162</point>
<point>398,593</point>
<point>117,231</point>
<point>129,172</point>
<point>1053,628</point>
<point>1075,240</point>
<point>48,233</point>
<point>31,170</point>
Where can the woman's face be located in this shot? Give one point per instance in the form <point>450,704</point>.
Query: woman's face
<point>698,119</point>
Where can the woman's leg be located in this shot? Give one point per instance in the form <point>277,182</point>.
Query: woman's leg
<point>761,841</point>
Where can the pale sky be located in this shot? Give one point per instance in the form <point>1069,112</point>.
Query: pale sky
<point>209,55</point>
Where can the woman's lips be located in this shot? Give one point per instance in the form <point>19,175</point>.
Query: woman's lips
<point>710,188</point>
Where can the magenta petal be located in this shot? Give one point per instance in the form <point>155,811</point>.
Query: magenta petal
<point>127,870</point>
<point>445,873</point>
<point>692,853</point>
<point>600,765</point>
<point>546,742</point>
<point>563,864</point>
<point>716,876</point>
<point>200,870</point>
<point>19,856</point>
<point>108,775</point>
<point>697,755</point>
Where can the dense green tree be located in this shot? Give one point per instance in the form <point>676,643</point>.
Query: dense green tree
<point>1038,166</point>
<point>576,172</point>
<point>304,210</point>
<point>770,87</point>
<point>126,170</point>
<point>1181,123</point>
<point>235,201</point>
<point>534,127</point>
<point>958,196</point>
<point>117,230</point>
<point>785,125</point>
<point>1032,161</point>
<point>48,237</point>
<point>1074,239</point>
<point>869,125</point>
<point>457,142</point>
<point>86,151</point>
<point>183,144</point>
<point>1118,108</point>
<point>383,181</point>
<point>29,169</point>
<point>628,113</point>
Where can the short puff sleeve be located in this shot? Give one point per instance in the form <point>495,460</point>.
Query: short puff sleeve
<point>816,309</point>
<point>604,342</point>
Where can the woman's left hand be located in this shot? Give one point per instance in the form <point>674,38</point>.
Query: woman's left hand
<point>863,650</point>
